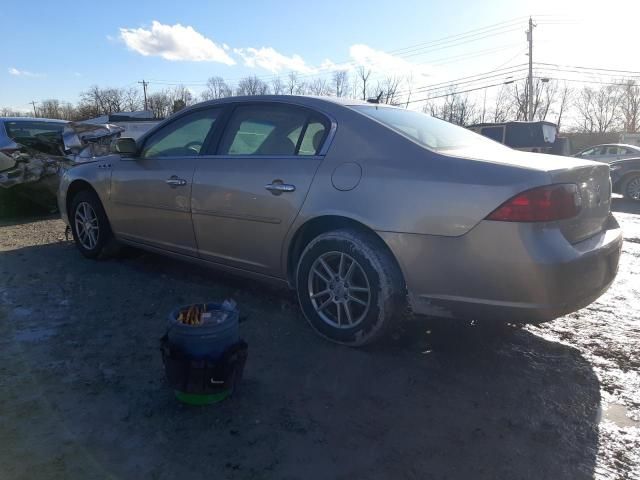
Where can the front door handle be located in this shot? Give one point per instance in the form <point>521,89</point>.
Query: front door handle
<point>174,181</point>
<point>278,188</point>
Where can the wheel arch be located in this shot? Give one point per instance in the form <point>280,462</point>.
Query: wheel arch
<point>76,186</point>
<point>319,225</point>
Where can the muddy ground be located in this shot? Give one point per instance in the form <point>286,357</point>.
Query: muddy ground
<point>82,393</point>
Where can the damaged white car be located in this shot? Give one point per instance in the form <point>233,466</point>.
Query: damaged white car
<point>34,150</point>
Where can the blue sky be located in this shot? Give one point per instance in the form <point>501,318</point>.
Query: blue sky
<point>58,49</point>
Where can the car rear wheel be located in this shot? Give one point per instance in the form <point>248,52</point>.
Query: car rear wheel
<point>349,287</point>
<point>89,224</point>
<point>631,187</point>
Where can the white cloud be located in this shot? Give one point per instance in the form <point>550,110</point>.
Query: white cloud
<point>23,73</point>
<point>269,59</point>
<point>174,42</point>
<point>385,63</point>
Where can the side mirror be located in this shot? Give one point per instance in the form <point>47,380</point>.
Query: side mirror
<point>126,146</point>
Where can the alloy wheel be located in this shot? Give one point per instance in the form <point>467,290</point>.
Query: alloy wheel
<point>87,227</point>
<point>633,189</point>
<point>339,290</point>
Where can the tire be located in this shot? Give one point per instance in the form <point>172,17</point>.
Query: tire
<point>345,313</point>
<point>86,204</point>
<point>631,187</point>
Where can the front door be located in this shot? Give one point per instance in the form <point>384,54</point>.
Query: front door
<point>151,192</point>
<point>246,196</point>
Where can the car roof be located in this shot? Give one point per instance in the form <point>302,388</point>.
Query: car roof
<point>32,119</point>
<point>309,100</point>
<point>627,145</point>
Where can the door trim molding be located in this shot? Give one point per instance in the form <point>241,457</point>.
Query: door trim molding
<point>250,218</point>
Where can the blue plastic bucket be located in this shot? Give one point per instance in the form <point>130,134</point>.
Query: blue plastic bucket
<point>207,340</point>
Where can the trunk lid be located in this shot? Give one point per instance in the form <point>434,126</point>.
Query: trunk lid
<point>594,186</point>
<point>592,179</point>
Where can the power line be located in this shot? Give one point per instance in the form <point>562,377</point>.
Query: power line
<point>465,91</point>
<point>476,78</point>
<point>577,80</point>
<point>588,68</point>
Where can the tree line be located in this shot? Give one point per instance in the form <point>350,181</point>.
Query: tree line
<point>602,109</point>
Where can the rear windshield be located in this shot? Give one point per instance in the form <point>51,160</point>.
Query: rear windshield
<point>45,137</point>
<point>431,132</point>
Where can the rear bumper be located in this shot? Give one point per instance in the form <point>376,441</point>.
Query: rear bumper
<point>520,273</point>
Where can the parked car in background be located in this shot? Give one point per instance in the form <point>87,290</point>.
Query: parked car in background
<point>607,153</point>
<point>366,210</point>
<point>538,136</point>
<point>33,150</point>
<point>625,177</point>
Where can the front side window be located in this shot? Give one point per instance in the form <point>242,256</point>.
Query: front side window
<point>588,152</point>
<point>272,130</point>
<point>430,132</point>
<point>183,137</point>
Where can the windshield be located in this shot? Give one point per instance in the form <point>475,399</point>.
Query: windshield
<point>428,131</point>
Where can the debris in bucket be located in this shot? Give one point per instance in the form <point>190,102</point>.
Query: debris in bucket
<point>196,315</point>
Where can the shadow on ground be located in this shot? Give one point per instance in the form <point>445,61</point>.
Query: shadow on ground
<point>83,394</point>
<point>17,210</point>
<point>622,205</point>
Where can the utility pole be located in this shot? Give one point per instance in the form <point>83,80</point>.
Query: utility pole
<point>35,114</point>
<point>144,89</point>
<point>530,79</point>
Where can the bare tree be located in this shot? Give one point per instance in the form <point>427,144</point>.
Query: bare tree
<point>10,112</point>
<point>252,86</point>
<point>216,88</point>
<point>340,83</point>
<point>503,107</point>
<point>363,76</point>
<point>49,108</point>
<point>132,99</point>
<point>160,103</point>
<point>388,90</point>
<point>277,86</point>
<point>293,84</point>
<point>454,108</point>
<point>565,98</point>
<point>545,98</point>
<point>597,110</point>
<point>630,106</point>
<point>319,87</point>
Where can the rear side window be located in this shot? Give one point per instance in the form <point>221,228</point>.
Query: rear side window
<point>273,130</point>
<point>183,137</point>
<point>494,133</point>
<point>430,132</point>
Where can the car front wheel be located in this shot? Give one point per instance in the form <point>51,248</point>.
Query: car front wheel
<point>89,224</point>
<point>349,287</point>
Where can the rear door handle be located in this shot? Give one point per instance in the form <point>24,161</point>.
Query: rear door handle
<point>277,188</point>
<point>174,181</point>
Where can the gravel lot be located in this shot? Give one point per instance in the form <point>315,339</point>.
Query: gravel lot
<point>82,393</point>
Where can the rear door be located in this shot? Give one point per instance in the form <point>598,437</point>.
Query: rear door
<point>151,192</point>
<point>247,194</point>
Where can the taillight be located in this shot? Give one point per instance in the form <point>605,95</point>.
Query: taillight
<point>541,204</point>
